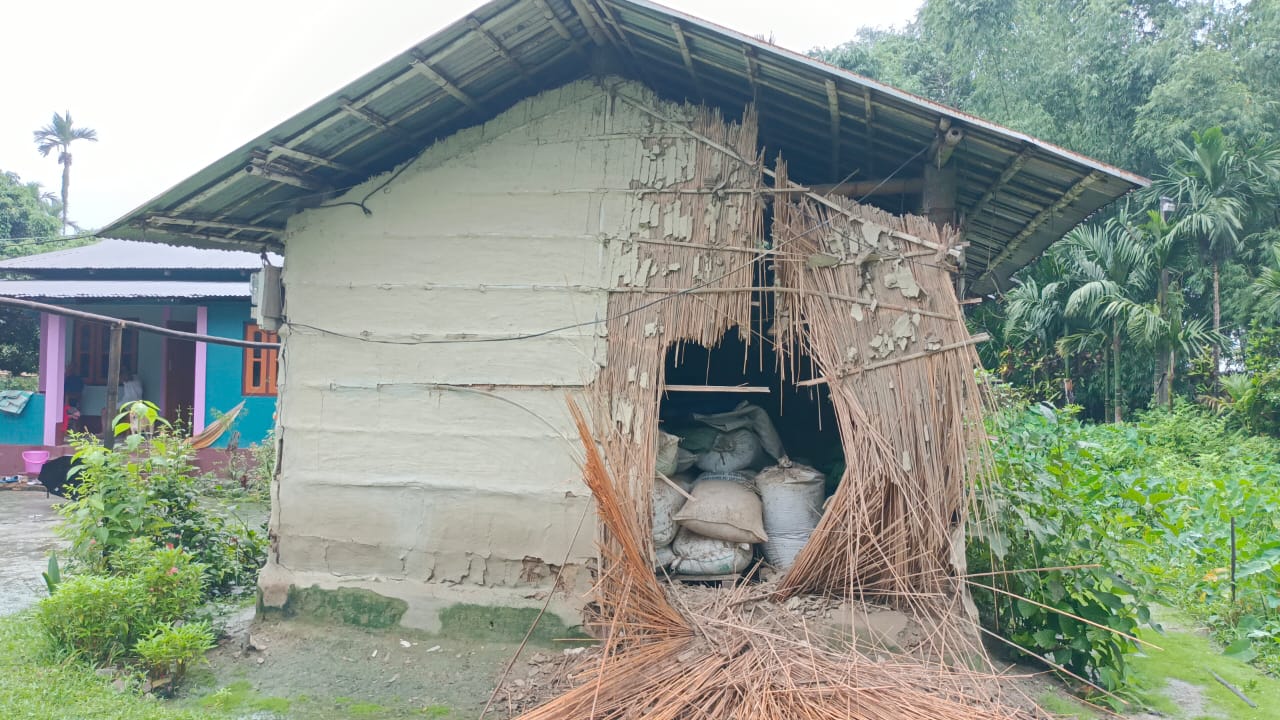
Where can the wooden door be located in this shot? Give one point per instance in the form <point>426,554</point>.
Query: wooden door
<point>180,375</point>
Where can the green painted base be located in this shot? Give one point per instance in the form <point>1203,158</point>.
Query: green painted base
<point>352,606</point>
<point>504,624</point>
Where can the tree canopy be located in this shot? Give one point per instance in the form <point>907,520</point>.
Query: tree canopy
<point>26,212</point>
<point>1138,304</point>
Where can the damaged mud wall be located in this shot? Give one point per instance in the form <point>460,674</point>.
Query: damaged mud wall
<point>683,271</point>
<point>869,297</point>
<point>424,452</point>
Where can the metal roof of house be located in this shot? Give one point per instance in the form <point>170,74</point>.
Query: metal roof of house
<point>121,289</point>
<point>1018,194</point>
<point>131,255</point>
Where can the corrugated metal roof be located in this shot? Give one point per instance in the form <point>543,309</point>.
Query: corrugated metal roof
<point>131,255</point>
<point>121,289</point>
<point>1018,194</point>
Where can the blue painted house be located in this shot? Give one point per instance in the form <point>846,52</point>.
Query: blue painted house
<point>189,289</point>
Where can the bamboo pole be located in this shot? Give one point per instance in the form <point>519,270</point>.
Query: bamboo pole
<point>716,388</point>
<point>113,382</point>
<point>145,327</point>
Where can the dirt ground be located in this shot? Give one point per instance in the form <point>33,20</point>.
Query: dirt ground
<point>297,670</point>
<point>27,519</point>
<point>302,671</point>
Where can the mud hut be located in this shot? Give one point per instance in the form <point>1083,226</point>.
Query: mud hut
<point>610,200</point>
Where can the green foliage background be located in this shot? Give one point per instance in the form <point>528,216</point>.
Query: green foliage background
<point>1128,82</point>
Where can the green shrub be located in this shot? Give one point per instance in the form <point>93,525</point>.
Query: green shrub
<point>96,617</point>
<point>101,617</point>
<point>1256,399</point>
<point>169,650</point>
<point>1152,501</point>
<point>174,583</point>
<point>146,487</point>
<point>1045,511</point>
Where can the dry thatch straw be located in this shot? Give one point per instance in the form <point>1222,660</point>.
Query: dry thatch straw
<point>910,411</point>
<point>901,379</point>
<point>714,661</point>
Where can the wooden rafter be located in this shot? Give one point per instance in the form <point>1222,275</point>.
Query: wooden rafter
<point>1067,198</point>
<point>217,239</point>
<point>217,224</point>
<point>833,105</point>
<point>379,122</point>
<point>284,176</point>
<point>1010,170</point>
<point>869,117</point>
<point>753,71</point>
<point>448,85</point>
<point>688,57</point>
<point>498,47</point>
<point>610,24</point>
<point>596,33</point>
<point>314,159</point>
<point>862,188</point>
<point>559,26</point>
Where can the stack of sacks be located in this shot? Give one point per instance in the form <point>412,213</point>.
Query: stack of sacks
<point>713,533</point>
<point>718,526</point>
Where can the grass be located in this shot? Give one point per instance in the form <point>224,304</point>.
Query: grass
<point>1064,707</point>
<point>1192,658</point>
<point>34,685</point>
<point>239,697</point>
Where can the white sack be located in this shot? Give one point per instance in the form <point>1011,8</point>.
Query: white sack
<point>792,498</point>
<point>697,555</point>
<point>667,501</point>
<point>668,451</point>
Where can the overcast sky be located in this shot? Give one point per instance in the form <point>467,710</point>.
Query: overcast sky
<point>172,86</point>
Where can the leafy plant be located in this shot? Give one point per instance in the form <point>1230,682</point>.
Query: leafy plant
<point>96,617</point>
<point>52,576</point>
<point>146,487</point>
<point>1152,502</point>
<point>1051,578</point>
<point>168,650</point>
<point>101,617</point>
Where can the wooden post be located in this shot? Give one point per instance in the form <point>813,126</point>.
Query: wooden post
<point>938,201</point>
<point>113,383</point>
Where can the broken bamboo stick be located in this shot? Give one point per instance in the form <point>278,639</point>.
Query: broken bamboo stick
<point>716,388</point>
<point>1233,689</point>
<point>981,337</point>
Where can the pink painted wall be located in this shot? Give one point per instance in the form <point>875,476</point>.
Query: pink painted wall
<point>202,361</point>
<point>53,369</point>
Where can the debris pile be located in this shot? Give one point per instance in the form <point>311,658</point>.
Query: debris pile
<point>737,653</point>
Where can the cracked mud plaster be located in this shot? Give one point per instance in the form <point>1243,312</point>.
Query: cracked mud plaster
<point>901,279</point>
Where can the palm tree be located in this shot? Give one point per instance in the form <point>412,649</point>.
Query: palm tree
<point>1166,254</point>
<point>1035,313</point>
<point>58,135</point>
<point>1106,263</point>
<point>1219,188</point>
<point>1267,286</point>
